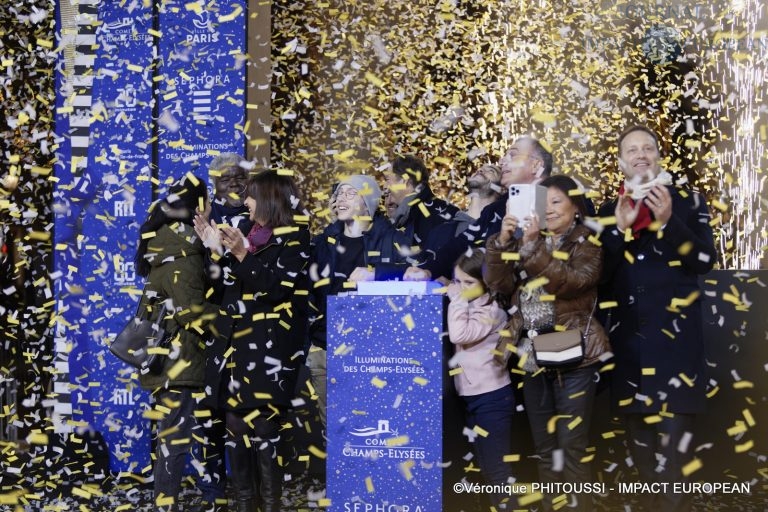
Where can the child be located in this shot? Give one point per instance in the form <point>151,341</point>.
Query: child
<point>474,321</point>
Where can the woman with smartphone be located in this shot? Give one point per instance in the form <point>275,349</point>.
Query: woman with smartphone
<point>552,277</point>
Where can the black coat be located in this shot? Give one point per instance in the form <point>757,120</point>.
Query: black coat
<point>256,353</point>
<point>380,243</point>
<point>428,223</point>
<point>656,325</point>
<point>453,245</point>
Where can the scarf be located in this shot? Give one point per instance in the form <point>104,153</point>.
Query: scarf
<point>643,219</point>
<point>258,237</point>
<point>223,214</point>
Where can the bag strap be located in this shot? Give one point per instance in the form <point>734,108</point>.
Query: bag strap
<point>154,307</point>
<point>589,320</point>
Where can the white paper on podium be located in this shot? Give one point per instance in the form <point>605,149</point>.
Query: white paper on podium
<point>397,287</point>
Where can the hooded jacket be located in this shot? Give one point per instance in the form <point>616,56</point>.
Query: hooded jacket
<point>176,258</point>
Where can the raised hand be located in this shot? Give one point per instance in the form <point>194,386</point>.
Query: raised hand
<point>626,213</point>
<point>508,227</point>
<point>232,239</point>
<point>659,201</point>
<point>208,233</point>
<point>531,230</point>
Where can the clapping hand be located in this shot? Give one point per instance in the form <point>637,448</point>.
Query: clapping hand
<point>232,239</point>
<point>659,200</point>
<point>208,233</point>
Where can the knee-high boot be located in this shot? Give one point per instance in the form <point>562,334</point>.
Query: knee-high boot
<point>244,470</point>
<point>270,479</point>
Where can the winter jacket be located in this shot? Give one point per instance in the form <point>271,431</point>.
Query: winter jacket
<point>474,234</point>
<point>427,223</point>
<point>572,279</point>
<point>255,355</point>
<point>656,323</point>
<point>381,250</point>
<point>473,327</point>
<point>176,258</point>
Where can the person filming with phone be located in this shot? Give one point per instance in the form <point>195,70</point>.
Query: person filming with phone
<point>552,276</point>
<point>527,161</point>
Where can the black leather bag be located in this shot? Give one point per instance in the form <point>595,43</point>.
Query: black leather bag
<point>132,345</point>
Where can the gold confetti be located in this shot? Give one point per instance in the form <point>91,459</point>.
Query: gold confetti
<point>692,467</point>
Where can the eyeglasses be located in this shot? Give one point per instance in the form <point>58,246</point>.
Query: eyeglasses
<point>347,193</point>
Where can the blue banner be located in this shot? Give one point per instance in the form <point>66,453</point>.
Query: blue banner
<point>107,139</point>
<point>384,403</point>
<point>201,86</point>
<point>103,191</point>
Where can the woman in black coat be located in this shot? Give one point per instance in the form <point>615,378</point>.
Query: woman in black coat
<point>254,361</point>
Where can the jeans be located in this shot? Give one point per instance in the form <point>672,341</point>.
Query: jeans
<point>176,425</point>
<point>662,439</point>
<point>493,412</point>
<point>569,394</point>
<point>316,361</point>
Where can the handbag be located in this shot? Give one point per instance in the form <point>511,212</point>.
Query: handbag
<point>140,334</point>
<point>561,349</point>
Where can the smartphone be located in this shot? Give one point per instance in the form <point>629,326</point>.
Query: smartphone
<point>525,200</point>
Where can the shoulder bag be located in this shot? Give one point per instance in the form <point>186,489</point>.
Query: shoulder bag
<point>561,349</point>
<point>142,332</point>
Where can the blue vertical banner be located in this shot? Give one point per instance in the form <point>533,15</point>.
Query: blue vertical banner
<point>124,64</point>
<point>384,403</point>
<point>201,84</point>
<point>102,194</point>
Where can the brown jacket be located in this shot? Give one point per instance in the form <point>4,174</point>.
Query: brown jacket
<point>572,280</point>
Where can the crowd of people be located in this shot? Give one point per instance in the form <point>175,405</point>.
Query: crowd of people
<point>246,286</point>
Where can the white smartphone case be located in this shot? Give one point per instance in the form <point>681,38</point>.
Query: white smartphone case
<point>527,199</point>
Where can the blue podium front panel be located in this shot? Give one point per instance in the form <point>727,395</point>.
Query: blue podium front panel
<point>384,403</point>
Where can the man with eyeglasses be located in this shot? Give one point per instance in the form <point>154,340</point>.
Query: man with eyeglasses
<point>526,161</point>
<point>360,245</point>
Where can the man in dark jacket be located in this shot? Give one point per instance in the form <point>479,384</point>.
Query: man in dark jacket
<point>526,161</point>
<point>661,243</point>
<point>426,220</point>
<point>361,245</point>
<point>229,179</point>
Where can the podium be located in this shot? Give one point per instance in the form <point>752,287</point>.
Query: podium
<point>384,402</point>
